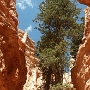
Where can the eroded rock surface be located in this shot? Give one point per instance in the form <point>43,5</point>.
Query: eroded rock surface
<point>34,75</point>
<point>81,72</point>
<point>12,59</point>
<point>18,63</point>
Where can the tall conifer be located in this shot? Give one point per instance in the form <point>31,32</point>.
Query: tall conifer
<point>60,29</point>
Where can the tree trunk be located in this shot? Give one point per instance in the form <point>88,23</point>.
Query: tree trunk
<point>48,79</point>
<point>59,76</point>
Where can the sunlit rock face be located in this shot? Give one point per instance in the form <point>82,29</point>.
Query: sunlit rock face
<point>86,2</point>
<point>17,52</point>
<point>12,60</point>
<point>81,72</point>
<point>34,75</point>
<point>67,75</point>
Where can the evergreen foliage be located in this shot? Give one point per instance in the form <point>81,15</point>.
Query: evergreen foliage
<point>61,33</point>
<point>59,86</point>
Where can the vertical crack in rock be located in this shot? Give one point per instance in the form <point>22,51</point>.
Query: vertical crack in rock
<point>81,72</point>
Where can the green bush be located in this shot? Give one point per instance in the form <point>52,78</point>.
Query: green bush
<point>61,87</point>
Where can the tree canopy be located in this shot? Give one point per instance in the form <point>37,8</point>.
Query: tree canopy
<point>62,30</point>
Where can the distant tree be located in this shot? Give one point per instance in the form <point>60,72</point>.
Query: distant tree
<point>60,29</point>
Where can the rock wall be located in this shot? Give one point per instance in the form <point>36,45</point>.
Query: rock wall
<point>13,73</point>
<point>18,64</point>
<point>34,75</point>
<point>81,72</point>
<point>85,2</point>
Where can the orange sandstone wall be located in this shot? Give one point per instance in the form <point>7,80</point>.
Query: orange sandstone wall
<point>18,63</point>
<point>12,60</point>
<point>86,2</point>
<point>81,72</point>
<point>34,76</point>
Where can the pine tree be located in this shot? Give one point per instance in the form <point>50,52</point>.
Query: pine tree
<point>59,28</point>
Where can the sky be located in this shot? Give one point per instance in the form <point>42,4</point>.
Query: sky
<point>27,11</point>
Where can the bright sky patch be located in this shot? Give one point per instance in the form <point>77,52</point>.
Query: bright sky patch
<point>23,4</point>
<point>29,28</point>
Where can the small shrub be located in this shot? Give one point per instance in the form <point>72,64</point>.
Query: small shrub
<point>62,87</point>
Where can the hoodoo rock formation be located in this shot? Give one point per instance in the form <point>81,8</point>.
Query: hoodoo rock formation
<point>16,50</point>
<point>81,72</point>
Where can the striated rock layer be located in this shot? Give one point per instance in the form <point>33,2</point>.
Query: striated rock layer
<point>81,72</point>
<point>12,60</point>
